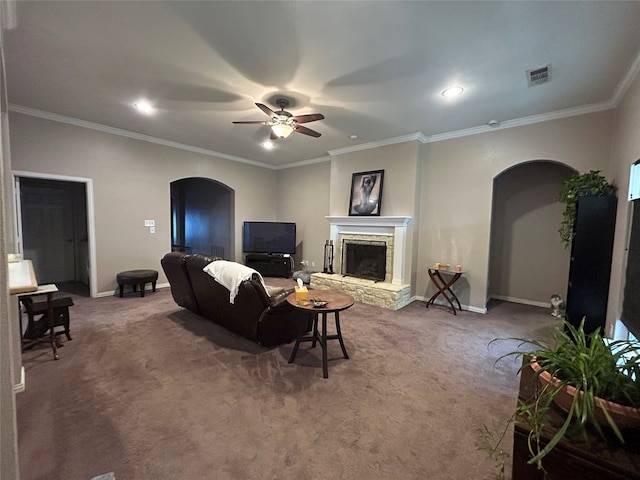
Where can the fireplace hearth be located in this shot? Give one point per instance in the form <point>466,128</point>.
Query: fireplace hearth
<point>364,259</point>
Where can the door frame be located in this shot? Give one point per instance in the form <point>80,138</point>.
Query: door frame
<point>93,277</point>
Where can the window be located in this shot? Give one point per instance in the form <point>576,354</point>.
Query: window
<point>634,181</point>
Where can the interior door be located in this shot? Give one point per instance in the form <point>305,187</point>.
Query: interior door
<point>48,231</point>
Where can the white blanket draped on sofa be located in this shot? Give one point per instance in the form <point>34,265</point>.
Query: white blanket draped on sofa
<point>231,275</point>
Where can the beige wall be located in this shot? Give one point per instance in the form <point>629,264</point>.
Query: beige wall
<point>457,184</point>
<point>10,354</point>
<point>400,164</point>
<point>626,151</point>
<point>401,188</point>
<point>303,197</point>
<point>131,183</point>
<point>10,363</point>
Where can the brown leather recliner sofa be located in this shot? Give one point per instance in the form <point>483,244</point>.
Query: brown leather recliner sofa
<point>267,320</point>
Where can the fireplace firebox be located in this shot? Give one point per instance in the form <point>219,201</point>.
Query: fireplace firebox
<point>364,259</point>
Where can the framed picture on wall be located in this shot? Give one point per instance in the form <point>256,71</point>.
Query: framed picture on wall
<point>366,193</point>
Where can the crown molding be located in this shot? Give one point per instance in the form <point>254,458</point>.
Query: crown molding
<point>420,137</point>
<point>519,122</point>
<point>302,163</point>
<point>137,136</point>
<point>626,81</point>
<point>466,132</point>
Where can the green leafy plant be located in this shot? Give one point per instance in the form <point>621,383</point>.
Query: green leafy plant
<point>579,185</point>
<point>486,440</point>
<point>599,369</point>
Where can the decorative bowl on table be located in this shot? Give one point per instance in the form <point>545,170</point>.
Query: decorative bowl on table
<point>317,303</point>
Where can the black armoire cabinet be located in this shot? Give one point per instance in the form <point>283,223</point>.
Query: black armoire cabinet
<point>590,267</point>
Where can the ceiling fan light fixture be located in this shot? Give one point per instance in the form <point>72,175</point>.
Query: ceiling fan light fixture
<point>283,123</point>
<point>282,130</point>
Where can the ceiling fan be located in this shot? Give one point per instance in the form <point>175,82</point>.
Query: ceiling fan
<point>283,123</point>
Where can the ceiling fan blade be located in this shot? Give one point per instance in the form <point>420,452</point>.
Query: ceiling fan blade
<point>261,122</point>
<point>306,131</point>
<point>273,136</point>
<point>266,110</point>
<point>312,117</point>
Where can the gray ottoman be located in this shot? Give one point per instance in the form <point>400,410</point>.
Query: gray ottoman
<point>135,278</point>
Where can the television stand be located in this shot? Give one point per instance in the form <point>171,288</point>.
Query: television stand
<point>269,265</point>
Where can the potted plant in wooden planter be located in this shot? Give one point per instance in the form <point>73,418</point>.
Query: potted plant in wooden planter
<point>596,382</point>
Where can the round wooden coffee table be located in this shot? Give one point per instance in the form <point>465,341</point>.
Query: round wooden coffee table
<point>336,302</point>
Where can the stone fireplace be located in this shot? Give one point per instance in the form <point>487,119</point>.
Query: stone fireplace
<point>369,260</point>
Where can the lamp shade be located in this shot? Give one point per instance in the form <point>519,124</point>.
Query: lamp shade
<point>282,130</point>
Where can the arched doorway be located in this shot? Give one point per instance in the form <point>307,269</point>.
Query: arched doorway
<point>527,262</point>
<point>202,219</point>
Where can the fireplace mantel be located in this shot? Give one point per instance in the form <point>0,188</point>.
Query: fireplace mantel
<point>370,221</point>
<point>374,225</point>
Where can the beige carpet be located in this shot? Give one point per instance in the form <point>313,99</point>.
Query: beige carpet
<point>149,390</point>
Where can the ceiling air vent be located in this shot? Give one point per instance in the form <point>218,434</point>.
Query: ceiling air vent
<point>538,76</point>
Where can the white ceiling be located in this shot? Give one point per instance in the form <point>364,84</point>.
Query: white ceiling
<point>374,69</point>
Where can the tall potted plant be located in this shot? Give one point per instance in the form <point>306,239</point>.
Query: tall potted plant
<point>579,185</point>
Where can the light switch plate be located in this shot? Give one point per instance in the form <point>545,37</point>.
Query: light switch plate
<point>149,223</point>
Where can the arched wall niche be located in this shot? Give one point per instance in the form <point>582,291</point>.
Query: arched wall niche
<point>202,217</point>
<point>527,262</point>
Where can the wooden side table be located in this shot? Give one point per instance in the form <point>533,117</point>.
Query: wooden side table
<point>444,286</point>
<point>22,280</point>
<point>49,290</point>
<point>336,302</point>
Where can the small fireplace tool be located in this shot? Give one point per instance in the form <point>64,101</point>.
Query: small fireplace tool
<point>328,257</point>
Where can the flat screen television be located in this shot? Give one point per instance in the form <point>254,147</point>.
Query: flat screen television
<point>269,237</point>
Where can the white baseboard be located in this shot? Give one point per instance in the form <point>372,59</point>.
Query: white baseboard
<point>445,304</point>
<point>147,289</point>
<point>521,300</point>
<point>20,387</point>
<point>475,309</point>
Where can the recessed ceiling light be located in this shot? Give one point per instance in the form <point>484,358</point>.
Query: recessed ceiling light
<point>268,145</point>
<point>353,137</point>
<point>144,107</point>
<point>452,91</point>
